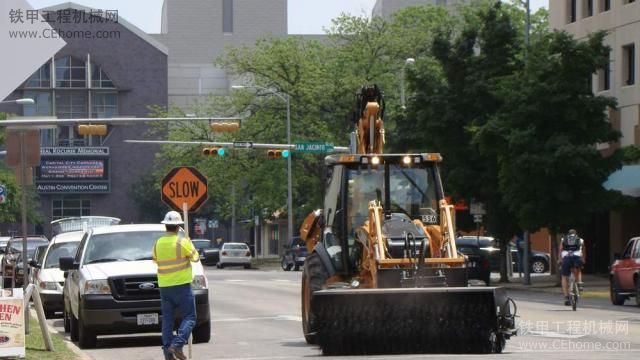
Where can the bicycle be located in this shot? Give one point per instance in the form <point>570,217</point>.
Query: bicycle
<point>574,291</point>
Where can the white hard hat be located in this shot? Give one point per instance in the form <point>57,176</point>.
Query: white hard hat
<point>172,218</point>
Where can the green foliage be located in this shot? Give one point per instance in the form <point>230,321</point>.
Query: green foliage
<point>544,135</point>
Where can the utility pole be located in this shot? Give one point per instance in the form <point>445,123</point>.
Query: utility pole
<point>527,245</point>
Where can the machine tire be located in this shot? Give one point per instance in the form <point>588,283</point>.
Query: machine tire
<point>314,277</point>
<point>285,266</point>
<point>73,327</point>
<point>637,291</point>
<point>202,333</point>
<point>86,337</point>
<point>616,299</point>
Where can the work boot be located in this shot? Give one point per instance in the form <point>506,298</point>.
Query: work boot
<point>567,302</point>
<point>177,353</point>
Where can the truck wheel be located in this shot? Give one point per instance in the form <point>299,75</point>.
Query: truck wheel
<point>538,266</point>
<point>87,337</point>
<point>73,327</point>
<point>202,333</point>
<point>65,319</point>
<point>616,299</point>
<point>314,277</point>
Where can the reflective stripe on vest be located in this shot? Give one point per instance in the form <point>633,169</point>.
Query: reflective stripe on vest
<point>174,269</point>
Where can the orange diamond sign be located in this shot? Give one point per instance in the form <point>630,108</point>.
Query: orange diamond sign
<point>184,185</point>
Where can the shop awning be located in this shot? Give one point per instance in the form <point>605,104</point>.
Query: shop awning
<point>625,180</point>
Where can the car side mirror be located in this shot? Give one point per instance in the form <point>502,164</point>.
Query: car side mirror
<point>34,264</point>
<point>616,256</point>
<point>67,263</point>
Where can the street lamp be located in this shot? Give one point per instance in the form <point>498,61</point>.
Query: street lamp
<point>24,101</point>
<point>408,61</point>
<point>285,98</point>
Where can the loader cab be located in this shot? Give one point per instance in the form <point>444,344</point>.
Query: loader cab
<point>407,186</point>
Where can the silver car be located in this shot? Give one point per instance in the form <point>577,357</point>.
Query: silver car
<point>234,254</point>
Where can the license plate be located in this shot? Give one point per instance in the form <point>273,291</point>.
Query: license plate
<point>147,319</point>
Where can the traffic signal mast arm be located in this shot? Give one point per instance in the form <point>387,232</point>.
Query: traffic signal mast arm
<point>343,149</point>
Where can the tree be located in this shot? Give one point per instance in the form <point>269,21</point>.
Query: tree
<point>545,135</point>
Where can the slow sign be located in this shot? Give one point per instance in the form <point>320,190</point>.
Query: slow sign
<point>184,185</point>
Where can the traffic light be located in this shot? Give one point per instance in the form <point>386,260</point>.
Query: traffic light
<point>224,126</point>
<point>213,151</point>
<point>100,130</point>
<point>276,154</point>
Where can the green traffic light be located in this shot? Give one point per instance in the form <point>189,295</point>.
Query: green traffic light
<point>221,152</point>
<point>285,153</point>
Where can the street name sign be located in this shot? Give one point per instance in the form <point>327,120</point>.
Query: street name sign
<point>184,185</point>
<point>242,144</point>
<point>313,147</point>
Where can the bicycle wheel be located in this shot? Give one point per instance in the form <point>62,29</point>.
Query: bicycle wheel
<point>574,295</point>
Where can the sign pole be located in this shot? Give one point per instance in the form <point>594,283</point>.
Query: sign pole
<point>185,216</point>
<point>23,210</point>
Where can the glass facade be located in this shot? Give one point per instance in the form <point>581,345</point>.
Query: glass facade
<point>67,207</point>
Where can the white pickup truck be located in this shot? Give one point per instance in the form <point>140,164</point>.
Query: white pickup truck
<point>112,288</point>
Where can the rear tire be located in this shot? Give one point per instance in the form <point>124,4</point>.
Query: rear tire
<point>202,333</point>
<point>616,298</point>
<point>314,277</point>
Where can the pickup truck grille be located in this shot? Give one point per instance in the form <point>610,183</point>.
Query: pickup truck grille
<point>132,288</point>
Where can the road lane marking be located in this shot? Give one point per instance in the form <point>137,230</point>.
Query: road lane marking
<point>277,318</point>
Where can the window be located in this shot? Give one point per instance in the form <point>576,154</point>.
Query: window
<point>274,239</point>
<point>99,78</point>
<point>629,64</point>
<point>68,207</point>
<point>70,72</point>
<point>605,5</point>
<point>227,16</point>
<point>104,105</point>
<point>71,104</point>
<point>571,11</point>
<point>41,78</point>
<point>604,76</point>
<point>42,105</point>
<point>587,8</point>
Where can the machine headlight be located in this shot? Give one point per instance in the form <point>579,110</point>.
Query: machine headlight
<point>199,282</point>
<point>48,285</point>
<point>97,287</point>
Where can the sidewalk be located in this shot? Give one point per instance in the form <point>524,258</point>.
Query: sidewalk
<point>595,286</point>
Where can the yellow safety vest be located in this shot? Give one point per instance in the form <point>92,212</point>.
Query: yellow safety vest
<point>173,256</point>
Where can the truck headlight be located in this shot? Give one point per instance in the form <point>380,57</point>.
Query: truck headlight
<point>199,282</point>
<point>48,285</point>
<point>97,287</point>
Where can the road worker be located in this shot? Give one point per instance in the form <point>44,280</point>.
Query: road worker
<point>174,253</point>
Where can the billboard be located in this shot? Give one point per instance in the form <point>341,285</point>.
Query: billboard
<point>67,170</point>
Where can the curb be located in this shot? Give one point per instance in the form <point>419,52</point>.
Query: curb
<point>75,349</point>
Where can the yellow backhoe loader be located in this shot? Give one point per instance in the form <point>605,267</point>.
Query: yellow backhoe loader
<point>383,275</point>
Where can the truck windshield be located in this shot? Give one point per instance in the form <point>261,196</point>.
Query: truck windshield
<point>123,246</point>
<point>412,193</point>
<point>66,249</point>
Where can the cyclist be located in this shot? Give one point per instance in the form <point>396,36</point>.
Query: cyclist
<point>572,254</point>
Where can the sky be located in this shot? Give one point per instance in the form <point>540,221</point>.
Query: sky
<point>305,16</point>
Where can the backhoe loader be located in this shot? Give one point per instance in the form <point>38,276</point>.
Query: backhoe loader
<point>383,275</point>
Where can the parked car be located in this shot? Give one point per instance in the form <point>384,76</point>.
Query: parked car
<point>294,255</point>
<point>46,270</point>
<point>12,257</point>
<point>477,260</point>
<point>3,244</point>
<point>81,223</point>
<point>234,254</point>
<point>538,260</point>
<point>112,285</point>
<point>37,259</point>
<point>624,278</point>
<point>209,255</point>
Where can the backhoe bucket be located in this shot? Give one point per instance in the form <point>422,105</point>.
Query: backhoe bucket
<point>413,320</point>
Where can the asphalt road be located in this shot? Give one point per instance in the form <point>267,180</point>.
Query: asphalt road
<point>256,315</point>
